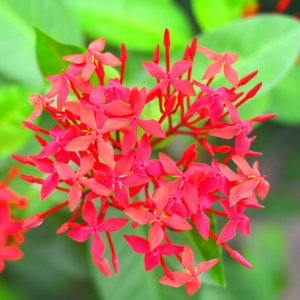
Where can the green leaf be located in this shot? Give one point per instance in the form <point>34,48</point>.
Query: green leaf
<point>285,99</point>
<point>138,24</point>
<point>18,62</point>
<point>214,13</point>
<point>266,43</point>
<point>49,53</point>
<point>14,108</point>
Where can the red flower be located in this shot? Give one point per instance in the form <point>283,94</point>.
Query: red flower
<point>152,258</point>
<point>87,59</point>
<point>142,216</point>
<point>190,279</point>
<point>221,61</point>
<point>178,69</point>
<point>81,234</point>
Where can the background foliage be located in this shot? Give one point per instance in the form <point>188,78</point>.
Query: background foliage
<point>33,36</point>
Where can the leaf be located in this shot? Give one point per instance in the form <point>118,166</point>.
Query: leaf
<point>138,24</point>
<point>17,61</point>
<point>14,108</point>
<point>285,99</point>
<point>212,14</point>
<point>273,51</point>
<point>49,53</point>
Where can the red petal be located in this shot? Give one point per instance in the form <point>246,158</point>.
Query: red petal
<point>88,68</point>
<point>139,215</point>
<point>180,67</point>
<point>228,232</point>
<point>50,149</point>
<point>228,173</point>
<point>160,199</point>
<point>138,244</point>
<point>192,286</point>
<point>212,70</point>
<point>152,127</point>
<point>188,259</point>
<point>84,86</point>
<point>169,165</point>
<point>143,150</point>
<point>238,257</point>
<point>202,223</point>
<point>98,247</point>
<point>75,194</point>
<point>33,221</point>
<point>77,58</point>
<point>80,234</point>
<point>156,235</point>
<point>80,143</point>
<point>49,185</point>
<point>90,214</point>
<point>117,108</point>
<point>180,279</point>
<point>206,265</point>
<point>243,165</point>
<point>151,261</point>
<point>105,151</point>
<point>95,186</point>
<point>86,165</point>
<point>112,224</point>
<point>176,222</point>
<point>97,96</point>
<point>242,144</point>
<point>170,249</point>
<point>154,70</point>
<point>88,117</point>
<point>124,164</point>
<point>184,86</point>
<point>107,59</point>
<point>190,196</point>
<point>209,53</point>
<point>133,179</point>
<point>64,171</point>
<point>130,138</point>
<point>154,167</point>
<point>97,46</point>
<point>227,132</point>
<point>231,75</point>
<point>233,113</point>
<point>262,188</point>
<point>244,226</point>
<point>114,125</point>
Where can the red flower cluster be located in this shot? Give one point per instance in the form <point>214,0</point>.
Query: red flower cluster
<point>11,230</point>
<point>101,149</point>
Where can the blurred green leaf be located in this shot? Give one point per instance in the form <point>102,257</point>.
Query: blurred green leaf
<point>138,24</point>
<point>49,53</point>
<point>266,43</point>
<point>14,108</point>
<point>6,293</point>
<point>17,61</point>
<point>215,13</point>
<point>285,99</point>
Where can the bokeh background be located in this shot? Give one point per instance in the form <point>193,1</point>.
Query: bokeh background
<point>54,266</point>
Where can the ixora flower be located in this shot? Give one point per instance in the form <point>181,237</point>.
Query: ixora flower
<point>11,230</point>
<point>101,157</point>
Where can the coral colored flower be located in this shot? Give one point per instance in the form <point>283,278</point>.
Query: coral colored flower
<point>142,216</point>
<point>81,234</point>
<point>240,129</point>
<point>190,279</point>
<point>178,69</point>
<point>212,100</point>
<point>224,62</point>
<point>115,91</point>
<point>247,181</point>
<point>152,257</point>
<point>78,180</point>
<point>94,52</point>
<point>237,221</point>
